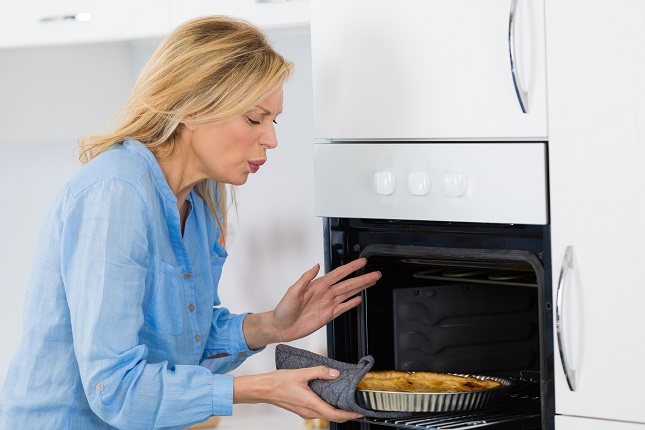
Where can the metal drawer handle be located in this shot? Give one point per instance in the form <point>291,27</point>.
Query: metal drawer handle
<point>567,265</point>
<point>522,96</point>
<point>78,17</point>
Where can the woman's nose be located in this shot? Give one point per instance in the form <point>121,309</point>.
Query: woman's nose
<point>269,140</point>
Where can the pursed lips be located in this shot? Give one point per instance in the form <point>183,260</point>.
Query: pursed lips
<point>255,165</point>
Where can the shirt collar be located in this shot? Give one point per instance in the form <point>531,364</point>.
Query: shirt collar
<point>153,164</point>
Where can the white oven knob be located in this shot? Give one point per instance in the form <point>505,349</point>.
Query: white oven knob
<point>455,184</point>
<point>384,183</point>
<point>418,183</point>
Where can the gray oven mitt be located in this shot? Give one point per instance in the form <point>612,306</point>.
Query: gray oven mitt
<point>339,392</point>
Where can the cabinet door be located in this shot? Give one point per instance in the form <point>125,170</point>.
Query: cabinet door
<point>577,423</point>
<point>40,22</point>
<point>424,69</point>
<point>263,13</point>
<point>596,64</point>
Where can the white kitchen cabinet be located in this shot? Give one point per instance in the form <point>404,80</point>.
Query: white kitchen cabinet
<point>263,13</point>
<point>56,22</point>
<point>427,69</point>
<point>577,423</point>
<point>596,65</point>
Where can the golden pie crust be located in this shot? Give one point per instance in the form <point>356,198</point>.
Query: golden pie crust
<point>423,382</point>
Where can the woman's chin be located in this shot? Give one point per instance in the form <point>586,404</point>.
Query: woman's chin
<point>233,181</point>
<point>240,181</point>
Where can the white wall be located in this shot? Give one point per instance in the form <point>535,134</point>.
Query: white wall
<point>51,96</point>
<point>54,95</point>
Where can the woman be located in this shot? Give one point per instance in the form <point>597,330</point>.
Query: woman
<point>122,324</point>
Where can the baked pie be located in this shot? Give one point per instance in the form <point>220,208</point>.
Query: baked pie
<point>423,382</point>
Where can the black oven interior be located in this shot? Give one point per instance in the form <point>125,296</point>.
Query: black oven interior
<point>458,298</point>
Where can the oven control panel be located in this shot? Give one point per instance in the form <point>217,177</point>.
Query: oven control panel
<point>457,182</point>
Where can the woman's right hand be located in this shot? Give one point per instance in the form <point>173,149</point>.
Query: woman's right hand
<point>289,389</point>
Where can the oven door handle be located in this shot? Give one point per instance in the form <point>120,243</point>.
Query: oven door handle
<point>522,95</point>
<point>567,266</point>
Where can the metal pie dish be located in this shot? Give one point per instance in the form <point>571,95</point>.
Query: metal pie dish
<point>403,401</point>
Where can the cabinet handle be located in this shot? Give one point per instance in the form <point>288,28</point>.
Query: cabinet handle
<point>522,96</point>
<point>567,265</point>
<point>78,17</point>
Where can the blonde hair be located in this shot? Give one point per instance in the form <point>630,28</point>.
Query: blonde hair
<point>208,69</point>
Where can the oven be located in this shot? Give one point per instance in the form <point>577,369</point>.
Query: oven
<point>461,236</point>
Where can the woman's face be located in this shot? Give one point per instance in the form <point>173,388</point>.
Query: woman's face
<point>228,150</point>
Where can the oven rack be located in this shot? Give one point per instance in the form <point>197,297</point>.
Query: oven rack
<point>515,409</point>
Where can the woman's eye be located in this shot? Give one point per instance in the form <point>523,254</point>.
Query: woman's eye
<point>252,122</point>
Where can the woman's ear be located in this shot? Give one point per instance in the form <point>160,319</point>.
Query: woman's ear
<point>188,124</point>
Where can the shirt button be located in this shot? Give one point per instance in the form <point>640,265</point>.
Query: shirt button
<point>198,337</point>
<point>99,387</point>
<point>241,354</point>
<point>191,307</point>
<point>187,275</point>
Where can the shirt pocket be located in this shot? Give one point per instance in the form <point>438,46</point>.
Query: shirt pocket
<point>163,304</point>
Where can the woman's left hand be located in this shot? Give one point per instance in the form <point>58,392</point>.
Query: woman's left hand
<point>309,304</point>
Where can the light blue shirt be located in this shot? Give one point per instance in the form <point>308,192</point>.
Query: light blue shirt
<point>122,312</point>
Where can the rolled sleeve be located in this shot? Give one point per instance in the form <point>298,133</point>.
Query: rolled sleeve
<point>226,348</point>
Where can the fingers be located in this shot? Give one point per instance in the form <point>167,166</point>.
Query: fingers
<point>345,306</point>
<point>357,283</point>
<point>320,372</point>
<point>307,277</point>
<point>343,271</point>
<point>306,403</point>
<point>322,408</point>
<point>350,287</point>
<point>348,290</point>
